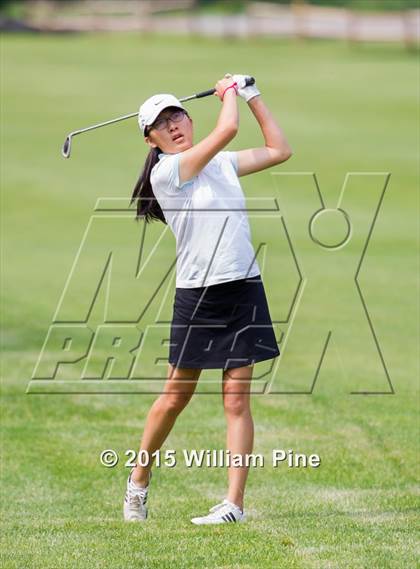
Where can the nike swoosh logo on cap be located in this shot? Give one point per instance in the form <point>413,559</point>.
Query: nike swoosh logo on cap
<point>159,102</point>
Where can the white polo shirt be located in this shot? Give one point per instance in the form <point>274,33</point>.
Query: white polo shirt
<point>208,217</point>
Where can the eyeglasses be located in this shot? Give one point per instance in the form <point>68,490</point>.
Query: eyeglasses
<point>162,123</point>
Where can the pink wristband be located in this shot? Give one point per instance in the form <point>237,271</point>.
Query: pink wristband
<point>234,85</point>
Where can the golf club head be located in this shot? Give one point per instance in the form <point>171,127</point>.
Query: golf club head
<point>66,150</point>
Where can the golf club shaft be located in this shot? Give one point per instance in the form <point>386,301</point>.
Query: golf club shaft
<point>67,143</point>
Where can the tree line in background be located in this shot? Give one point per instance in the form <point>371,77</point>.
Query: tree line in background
<point>354,4</point>
<point>239,5</point>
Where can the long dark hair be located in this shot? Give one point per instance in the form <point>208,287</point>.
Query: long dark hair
<point>148,207</point>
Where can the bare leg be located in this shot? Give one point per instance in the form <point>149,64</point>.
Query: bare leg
<point>178,390</point>
<point>240,426</point>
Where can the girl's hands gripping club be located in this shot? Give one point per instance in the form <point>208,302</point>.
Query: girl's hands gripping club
<point>242,84</point>
<point>246,89</point>
<point>225,84</point>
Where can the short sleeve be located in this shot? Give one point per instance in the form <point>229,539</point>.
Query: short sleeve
<point>231,157</point>
<point>165,175</point>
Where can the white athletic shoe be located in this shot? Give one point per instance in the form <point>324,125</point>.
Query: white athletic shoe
<point>135,509</point>
<point>221,513</point>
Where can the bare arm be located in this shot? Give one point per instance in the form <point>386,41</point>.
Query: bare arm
<point>276,149</point>
<point>193,160</point>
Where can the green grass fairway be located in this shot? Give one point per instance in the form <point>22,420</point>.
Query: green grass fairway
<point>344,109</point>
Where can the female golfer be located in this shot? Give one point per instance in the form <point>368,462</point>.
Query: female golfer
<point>221,317</point>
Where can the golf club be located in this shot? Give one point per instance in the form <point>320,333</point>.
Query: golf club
<point>66,150</point>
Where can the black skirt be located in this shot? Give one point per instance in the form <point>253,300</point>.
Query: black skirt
<point>224,326</point>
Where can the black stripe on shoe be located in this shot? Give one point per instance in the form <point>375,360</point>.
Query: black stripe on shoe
<point>232,517</point>
<point>225,518</point>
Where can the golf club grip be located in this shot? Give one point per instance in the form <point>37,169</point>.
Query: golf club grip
<point>249,81</point>
<point>205,93</point>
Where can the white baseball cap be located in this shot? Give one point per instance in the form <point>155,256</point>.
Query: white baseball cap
<point>151,108</point>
